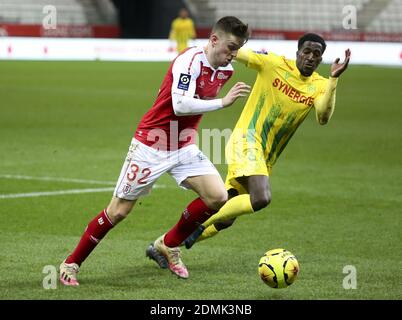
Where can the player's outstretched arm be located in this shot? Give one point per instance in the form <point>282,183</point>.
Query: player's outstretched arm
<point>338,68</point>
<point>243,55</point>
<point>325,104</point>
<point>252,59</point>
<point>184,106</point>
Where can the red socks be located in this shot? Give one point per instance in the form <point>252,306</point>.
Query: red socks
<point>195,214</point>
<point>94,232</point>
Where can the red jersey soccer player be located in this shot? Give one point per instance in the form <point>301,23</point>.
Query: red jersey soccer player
<point>164,142</point>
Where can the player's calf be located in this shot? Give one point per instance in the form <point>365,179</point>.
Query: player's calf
<point>216,201</point>
<point>118,209</point>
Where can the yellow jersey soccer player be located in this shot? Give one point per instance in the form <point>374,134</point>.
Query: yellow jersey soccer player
<point>283,94</point>
<point>182,30</point>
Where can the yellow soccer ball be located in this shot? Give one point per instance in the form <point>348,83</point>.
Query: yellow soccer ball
<point>278,268</point>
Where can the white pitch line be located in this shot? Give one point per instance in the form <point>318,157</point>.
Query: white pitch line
<point>59,192</point>
<point>21,177</point>
<point>53,193</point>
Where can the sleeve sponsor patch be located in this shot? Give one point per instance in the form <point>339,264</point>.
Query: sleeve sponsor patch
<point>184,81</point>
<point>261,51</point>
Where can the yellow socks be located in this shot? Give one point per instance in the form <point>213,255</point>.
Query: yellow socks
<point>208,232</point>
<point>233,208</point>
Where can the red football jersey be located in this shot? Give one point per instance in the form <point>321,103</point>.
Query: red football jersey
<point>190,74</point>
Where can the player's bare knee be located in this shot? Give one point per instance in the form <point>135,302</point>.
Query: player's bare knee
<point>116,215</point>
<point>261,201</point>
<point>216,201</point>
<point>120,215</point>
<point>269,197</point>
<point>118,210</point>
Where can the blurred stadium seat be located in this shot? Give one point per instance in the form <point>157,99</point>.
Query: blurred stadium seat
<point>377,20</point>
<point>69,12</point>
<point>291,15</point>
<point>389,20</point>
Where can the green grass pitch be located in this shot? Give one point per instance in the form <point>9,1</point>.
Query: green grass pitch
<point>336,190</point>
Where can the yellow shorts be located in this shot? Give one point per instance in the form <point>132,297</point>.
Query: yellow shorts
<point>244,159</point>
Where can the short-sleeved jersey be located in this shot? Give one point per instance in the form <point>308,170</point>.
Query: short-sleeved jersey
<point>280,100</point>
<point>191,75</point>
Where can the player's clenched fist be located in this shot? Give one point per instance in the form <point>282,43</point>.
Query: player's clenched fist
<point>240,89</point>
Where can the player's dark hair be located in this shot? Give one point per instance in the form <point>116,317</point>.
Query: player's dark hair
<point>313,37</point>
<point>233,25</point>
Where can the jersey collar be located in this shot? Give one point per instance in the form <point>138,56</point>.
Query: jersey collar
<point>300,76</point>
<point>206,59</point>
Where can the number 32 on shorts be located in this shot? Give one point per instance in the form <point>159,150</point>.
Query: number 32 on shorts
<point>135,173</point>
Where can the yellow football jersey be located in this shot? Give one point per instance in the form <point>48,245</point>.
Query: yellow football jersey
<point>280,100</point>
<point>182,31</point>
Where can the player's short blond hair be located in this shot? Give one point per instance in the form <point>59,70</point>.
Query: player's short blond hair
<point>232,25</point>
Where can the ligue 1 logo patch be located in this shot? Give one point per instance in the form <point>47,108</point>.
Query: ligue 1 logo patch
<point>184,81</point>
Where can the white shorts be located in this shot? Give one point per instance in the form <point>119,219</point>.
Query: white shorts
<point>144,165</point>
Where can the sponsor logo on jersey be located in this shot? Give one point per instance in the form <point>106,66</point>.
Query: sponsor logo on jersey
<point>100,221</point>
<point>184,81</point>
<point>222,76</point>
<point>292,93</point>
